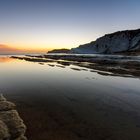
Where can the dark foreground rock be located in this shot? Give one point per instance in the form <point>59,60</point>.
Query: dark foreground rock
<point>11,125</point>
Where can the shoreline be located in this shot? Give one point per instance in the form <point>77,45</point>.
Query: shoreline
<point>81,105</point>
<point>118,65</point>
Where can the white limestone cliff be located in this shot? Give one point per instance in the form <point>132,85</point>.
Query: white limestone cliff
<point>123,41</point>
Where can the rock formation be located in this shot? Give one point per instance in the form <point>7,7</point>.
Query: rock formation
<point>122,41</point>
<point>11,125</point>
<point>59,51</point>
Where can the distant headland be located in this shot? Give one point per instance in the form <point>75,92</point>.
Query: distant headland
<point>127,42</point>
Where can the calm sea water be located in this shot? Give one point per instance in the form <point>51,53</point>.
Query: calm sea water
<point>109,102</point>
<point>23,76</point>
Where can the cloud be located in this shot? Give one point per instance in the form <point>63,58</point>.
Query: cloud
<point>7,49</point>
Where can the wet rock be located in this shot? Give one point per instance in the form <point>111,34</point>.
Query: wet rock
<point>11,125</point>
<point>4,132</point>
<point>2,98</point>
<point>5,106</point>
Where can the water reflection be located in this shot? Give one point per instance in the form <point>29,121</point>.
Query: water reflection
<point>6,59</point>
<point>102,67</point>
<point>71,102</point>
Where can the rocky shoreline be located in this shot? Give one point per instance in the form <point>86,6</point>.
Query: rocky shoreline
<point>11,125</point>
<point>81,105</point>
<point>113,65</point>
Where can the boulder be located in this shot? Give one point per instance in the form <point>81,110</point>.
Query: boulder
<point>11,125</point>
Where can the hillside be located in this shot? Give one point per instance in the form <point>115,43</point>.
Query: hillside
<point>118,42</point>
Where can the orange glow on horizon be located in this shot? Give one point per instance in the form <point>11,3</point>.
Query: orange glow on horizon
<point>23,49</point>
<point>35,48</point>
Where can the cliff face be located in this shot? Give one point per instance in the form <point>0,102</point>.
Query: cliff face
<point>11,125</point>
<point>123,41</point>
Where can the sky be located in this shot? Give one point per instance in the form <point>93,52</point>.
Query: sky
<point>42,25</point>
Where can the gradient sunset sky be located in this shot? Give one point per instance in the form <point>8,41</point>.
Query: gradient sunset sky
<point>41,25</point>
